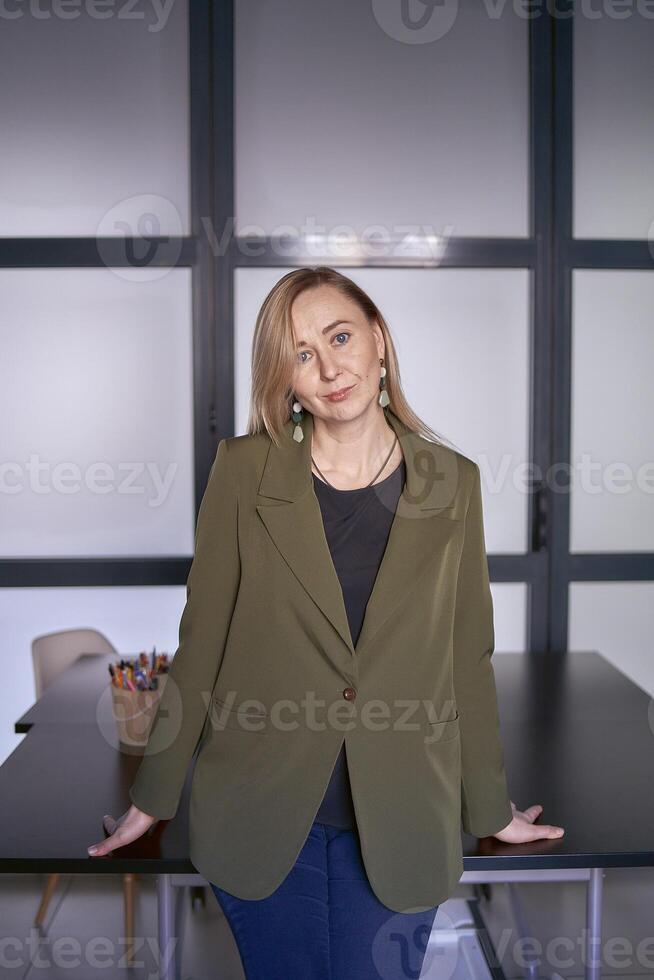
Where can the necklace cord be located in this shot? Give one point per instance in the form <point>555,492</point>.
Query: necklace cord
<point>367,484</point>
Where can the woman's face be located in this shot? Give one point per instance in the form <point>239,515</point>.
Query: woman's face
<point>336,348</point>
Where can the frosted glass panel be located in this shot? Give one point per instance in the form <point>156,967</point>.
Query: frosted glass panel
<point>345,115</point>
<point>94,115</point>
<point>613,133</point>
<point>96,413</point>
<point>132,619</point>
<point>510,616</point>
<point>612,506</point>
<point>615,619</point>
<point>462,338</point>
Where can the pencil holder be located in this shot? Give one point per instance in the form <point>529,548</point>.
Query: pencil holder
<point>134,712</point>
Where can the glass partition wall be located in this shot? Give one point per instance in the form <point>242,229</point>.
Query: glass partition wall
<point>484,174</point>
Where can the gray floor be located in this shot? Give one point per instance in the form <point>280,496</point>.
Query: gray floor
<point>85,922</point>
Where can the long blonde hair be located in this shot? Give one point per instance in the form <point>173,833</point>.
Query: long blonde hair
<point>274,354</point>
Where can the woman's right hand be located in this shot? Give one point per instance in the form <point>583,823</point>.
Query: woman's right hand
<point>132,825</point>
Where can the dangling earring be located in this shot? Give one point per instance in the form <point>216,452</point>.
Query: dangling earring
<point>384,400</point>
<point>298,434</point>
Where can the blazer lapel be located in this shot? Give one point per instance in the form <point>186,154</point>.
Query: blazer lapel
<point>421,527</point>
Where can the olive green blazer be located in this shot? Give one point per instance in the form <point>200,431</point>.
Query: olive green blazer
<point>266,682</point>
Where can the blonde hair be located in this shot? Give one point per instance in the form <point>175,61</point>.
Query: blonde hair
<point>274,354</point>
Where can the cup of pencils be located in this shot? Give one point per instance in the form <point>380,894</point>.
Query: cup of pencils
<point>136,688</point>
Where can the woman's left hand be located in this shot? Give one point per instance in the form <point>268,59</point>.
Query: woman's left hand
<point>522,828</point>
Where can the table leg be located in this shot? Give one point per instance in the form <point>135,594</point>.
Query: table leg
<point>166,926</point>
<point>593,945</point>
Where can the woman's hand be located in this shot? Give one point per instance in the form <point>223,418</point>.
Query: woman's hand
<point>522,828</point>
<point>133,824</point>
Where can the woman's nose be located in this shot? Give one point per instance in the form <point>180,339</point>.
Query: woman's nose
<point>329,367</point>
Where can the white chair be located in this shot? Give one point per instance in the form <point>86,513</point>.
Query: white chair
<point>52,653</point>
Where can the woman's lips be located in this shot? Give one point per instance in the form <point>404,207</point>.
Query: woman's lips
<point>339,395</point>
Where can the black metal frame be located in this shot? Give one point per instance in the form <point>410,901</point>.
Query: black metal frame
<point>570,254</point>
<point>549,253</point>
<point>188,251</point>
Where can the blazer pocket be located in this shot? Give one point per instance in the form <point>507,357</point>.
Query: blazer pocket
<point>232,716</point>
<point>443,731</point>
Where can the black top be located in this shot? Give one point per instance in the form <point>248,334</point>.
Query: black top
<point>357,524</point>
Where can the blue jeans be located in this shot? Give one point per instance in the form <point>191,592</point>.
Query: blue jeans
<point>324,922</point>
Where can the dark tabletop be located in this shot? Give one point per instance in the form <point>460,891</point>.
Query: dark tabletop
<point>577,735</point>
<point>78,696</point>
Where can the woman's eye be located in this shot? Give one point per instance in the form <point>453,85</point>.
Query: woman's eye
<point>343,333</point>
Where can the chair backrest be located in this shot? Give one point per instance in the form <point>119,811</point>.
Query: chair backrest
<point>53,652</point>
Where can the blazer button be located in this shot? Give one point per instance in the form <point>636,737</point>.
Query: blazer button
<point>349,694</point>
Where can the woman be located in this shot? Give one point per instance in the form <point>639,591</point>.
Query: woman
<point>339,562</point>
